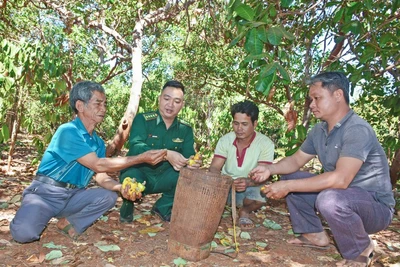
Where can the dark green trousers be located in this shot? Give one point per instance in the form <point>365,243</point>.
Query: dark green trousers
<point>161,180</point>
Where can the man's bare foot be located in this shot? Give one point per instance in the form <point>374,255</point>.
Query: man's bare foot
<point>364,259</point>
<point>311,240</point>
<point>67,228</point>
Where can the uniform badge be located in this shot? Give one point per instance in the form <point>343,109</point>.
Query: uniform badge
<point>150,116</point>
<point>177,140</point>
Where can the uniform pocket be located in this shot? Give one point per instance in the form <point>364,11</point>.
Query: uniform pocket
<point>154,142</point>
<point>177,144</point>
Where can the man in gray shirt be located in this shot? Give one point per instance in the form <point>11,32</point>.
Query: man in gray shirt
<point>353,194</point>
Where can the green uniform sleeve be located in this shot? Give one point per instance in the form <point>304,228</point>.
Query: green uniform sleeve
<point>188,146</point>
<point>138,136</point>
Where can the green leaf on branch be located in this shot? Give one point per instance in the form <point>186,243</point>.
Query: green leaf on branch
<point>253,44</point>
<point>353,26</point>
<point>274,35</point>
<point>262,34</point>
<point>5,132</point>
<point>237,39</point>
<point>338,16</point>
<point>283,72</point>
<point>268,70</point>
<point>286,3</point>
<point>264,84</point>
<point>255,57</point>
<point>301,132</point>
<point>245,12</point>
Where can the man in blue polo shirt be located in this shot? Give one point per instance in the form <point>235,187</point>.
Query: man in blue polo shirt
<point>353,194</point>
<point>75,155</point>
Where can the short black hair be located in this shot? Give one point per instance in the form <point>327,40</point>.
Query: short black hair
<point>174,84</point>
<point>333,80</point>
<point>247,107</point>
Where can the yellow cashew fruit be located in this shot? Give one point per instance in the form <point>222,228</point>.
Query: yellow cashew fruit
<point>192,161</point>
<point>134,187</point>
<point>197,156</point>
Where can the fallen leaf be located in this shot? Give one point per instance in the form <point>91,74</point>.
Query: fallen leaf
<point>261,244</point>
<point>245,235</point>
<point>271,224</point>
<point>54,254</point>
<point>143,221</point>
<point>152,229</point>
<point>105,248</point>
<point>15,199</point>
<point>42,257</point>
<point>219,235</point>
<point>5,243</point>
<point>229,250</point>
<point>52,245</point>
<point>226,241</point>
<point>139,254</point>
<point>103,218</point>
<point>231,231</point>
<point>180,262</point>
<point>62,260</point>
<point>33,259</point>
<point>137,217</point>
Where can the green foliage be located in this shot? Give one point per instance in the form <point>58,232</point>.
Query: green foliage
<point>288,41</point>
<point>258,50</point>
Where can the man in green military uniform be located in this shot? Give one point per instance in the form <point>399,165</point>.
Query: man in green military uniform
<point>160,129</point>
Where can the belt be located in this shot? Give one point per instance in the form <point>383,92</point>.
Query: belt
<point>48,180</point>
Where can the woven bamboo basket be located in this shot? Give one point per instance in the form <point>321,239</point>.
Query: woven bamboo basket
<point>200,199</point>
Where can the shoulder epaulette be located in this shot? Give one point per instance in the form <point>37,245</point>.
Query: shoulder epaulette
<point>150,116</point>
<point>185,123</point>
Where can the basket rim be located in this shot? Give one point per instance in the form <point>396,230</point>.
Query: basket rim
<point>203,171</point>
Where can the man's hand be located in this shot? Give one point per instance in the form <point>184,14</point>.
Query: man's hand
<point>260,173</point>
<point>176,160</point>
<point>241,184</point>
<point>132,197</point>
<point>195,161</point>
<point>154,157</point>
<point>276,190</point>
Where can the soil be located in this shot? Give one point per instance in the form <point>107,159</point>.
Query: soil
<point>145,241</point>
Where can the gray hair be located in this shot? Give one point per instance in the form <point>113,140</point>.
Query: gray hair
<point>83,91</point>
<point>333,81</point>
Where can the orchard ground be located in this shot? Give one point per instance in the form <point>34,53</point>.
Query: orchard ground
<point>145,241</point>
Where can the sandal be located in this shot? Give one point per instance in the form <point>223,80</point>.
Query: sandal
<point>304,242</point>
<point>65,231</point>
<point>360,261</point>
<point>245,223</point>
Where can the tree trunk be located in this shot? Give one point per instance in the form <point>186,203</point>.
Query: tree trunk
<point>395,168</point>
<point>15,127</point>
<point>125,125</point>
